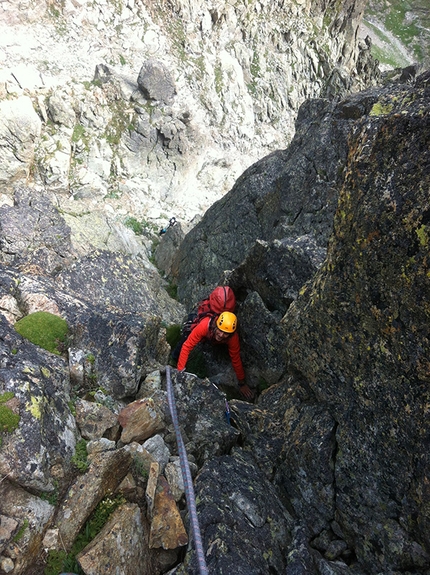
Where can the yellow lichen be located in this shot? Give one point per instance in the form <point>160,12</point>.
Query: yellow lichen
<point>34,407</point>
<point>422,235</point>
<point>380,109</point>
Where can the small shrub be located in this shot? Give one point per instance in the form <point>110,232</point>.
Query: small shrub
<point>100,516</point>
<point>50,496</point>
<point>173,334</point>
<point>80,458</point>
<point>44,329</point>
<point>60,561</point>
<point>21,531</point>
<point>113,195</point>
<point>55,562</point>
<point>78,133</point>
<point>134,225</point>
<point>140,469</point>
<point>72,407</point>
<point>172,290</point>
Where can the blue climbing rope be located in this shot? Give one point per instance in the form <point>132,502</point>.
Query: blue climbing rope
<point>188,482</point>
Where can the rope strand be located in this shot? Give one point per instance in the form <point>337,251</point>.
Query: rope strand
<point>186,474</point>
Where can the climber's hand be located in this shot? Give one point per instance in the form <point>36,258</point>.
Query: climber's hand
<point>246,391</point>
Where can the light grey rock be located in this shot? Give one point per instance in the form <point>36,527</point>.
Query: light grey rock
<point>159,450</point>
<point>20,127</point>
<point>93,419</point>
<point>60,108</point>
<point>99,445</point>
<point>33,515</point>
<point>224,88</point>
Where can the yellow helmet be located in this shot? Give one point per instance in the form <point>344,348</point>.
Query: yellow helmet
<point>227,322</point>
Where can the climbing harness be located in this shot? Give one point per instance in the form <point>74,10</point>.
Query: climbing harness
<point>172,222</point>
<point>186,474</point>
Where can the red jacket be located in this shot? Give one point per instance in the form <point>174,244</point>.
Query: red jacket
<point>202,331</point>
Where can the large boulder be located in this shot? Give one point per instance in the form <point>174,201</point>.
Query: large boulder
<point>242,519</point>
<point>36,453</point>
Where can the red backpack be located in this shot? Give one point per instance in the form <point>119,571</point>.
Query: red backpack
<point>221,299</point>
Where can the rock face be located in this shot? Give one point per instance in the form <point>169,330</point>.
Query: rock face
<point>268,235</point>
<point>286,195</point>
<point>352,457</point>
<point>155,111</point>
<point>359,335</point>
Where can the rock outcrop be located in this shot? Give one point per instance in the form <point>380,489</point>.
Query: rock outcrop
<point>268,235</point>
<point>351,460</point>
<point>359,336</point>
<point>289,194</point>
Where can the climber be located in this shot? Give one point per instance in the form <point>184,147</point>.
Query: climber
<point>219,329</point>
<point>220,299</point>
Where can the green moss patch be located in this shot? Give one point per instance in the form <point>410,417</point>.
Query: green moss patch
<point>8,419</point>
<point>134,225</point>
<point>21,531</point>
<point>423,236</point>
<point>44,329</point>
